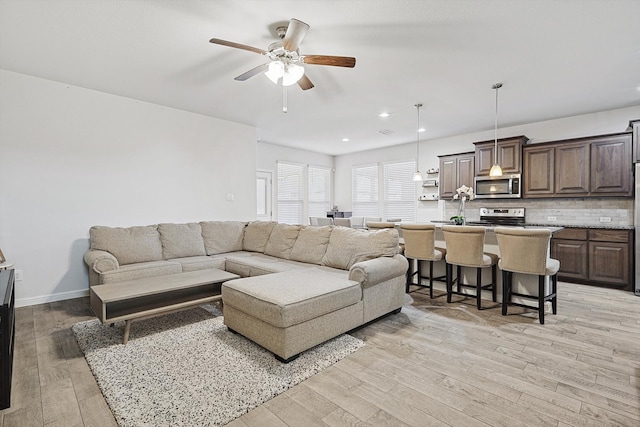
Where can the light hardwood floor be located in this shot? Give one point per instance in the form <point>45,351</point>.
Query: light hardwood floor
<point>432,364</point>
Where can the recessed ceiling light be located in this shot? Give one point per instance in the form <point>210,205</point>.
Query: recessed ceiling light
<point>384,115</point>
<point>421,130</point>
<point>345,139</point>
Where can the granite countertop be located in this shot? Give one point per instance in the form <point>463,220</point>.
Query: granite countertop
<point>603,226</point>
<point>556,226</point>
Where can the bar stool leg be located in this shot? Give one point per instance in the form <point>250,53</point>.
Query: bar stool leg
<point>479,288</point>
<point>505,291</point>
<point>459,277</point>
<point>431,279</point>
<point>494,281</point>
<point>541,299</point>
<point>449,268</point>
<point>554,281</point>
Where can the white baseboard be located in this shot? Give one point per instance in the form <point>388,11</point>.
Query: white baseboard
<point>23,302</point>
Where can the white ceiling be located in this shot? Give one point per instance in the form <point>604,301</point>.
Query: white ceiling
<point>555,58</point>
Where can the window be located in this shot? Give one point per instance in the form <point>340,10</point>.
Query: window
<point>290,193</point>
<point>364,194</point>
<point>319,190</point>
<point>400,190</point>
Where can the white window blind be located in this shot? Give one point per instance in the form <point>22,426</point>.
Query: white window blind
<point>364,192</point>
<point>400,190</point>
<point>319,191</point>
<point>290,193</point>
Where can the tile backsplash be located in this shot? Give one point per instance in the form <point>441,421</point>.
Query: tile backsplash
<point>578,211</point>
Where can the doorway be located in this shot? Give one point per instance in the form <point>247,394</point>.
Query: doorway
<point>264,183</point>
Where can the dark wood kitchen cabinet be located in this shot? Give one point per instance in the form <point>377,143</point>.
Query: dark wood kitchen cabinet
<point>509,155</point>
<point>594,256</point>
<point>634,126</point>
<point>455,170</point>
<point>584,167</point>
<point>539,180</point>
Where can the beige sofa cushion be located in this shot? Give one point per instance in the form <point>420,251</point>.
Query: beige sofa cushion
<point>256,235</point>
<point>311,244</point>
<point>129,245</point>
<point>181,240</point>
<point>348,246</point>
<point>290,298</point>
<point>281,240</point>
<point>222,236</point>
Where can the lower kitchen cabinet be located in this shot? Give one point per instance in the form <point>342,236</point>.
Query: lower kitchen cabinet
<point>594,256</point>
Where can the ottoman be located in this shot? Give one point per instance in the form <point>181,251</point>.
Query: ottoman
<point>292,311</point>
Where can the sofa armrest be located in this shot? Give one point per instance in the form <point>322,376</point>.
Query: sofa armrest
<point>101,261</point>
<point>374,271</point>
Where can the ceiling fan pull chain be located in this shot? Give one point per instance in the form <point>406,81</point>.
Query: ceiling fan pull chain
<point>284,99</point>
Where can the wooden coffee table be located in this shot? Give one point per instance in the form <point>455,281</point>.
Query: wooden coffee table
<point>134,299</point>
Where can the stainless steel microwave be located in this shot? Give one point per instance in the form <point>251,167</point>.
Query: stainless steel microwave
<point>498,187</point>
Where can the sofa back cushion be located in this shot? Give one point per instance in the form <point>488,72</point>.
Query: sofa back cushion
<point>129,245</point>
<point>311,244</point>
<point>281,240</point>
<point>256,235</point>
<point>348,246</point>
<point>222,236</point>
<point>181,240</point>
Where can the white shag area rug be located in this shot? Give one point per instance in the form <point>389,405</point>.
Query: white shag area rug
<point>187,369</point>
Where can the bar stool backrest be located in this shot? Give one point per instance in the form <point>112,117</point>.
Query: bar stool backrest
<point>465,244</point>
<point>419,241</point>
<point>377,225</point>
<point>523,250</point>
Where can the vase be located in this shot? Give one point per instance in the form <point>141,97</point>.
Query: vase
<point>461,218</point>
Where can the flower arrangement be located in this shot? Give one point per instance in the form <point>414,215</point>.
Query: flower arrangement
<point>463,194</point>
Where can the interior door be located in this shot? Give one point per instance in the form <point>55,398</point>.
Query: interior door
<point>264,191</point>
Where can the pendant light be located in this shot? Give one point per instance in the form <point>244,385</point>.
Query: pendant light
<point>496,170</point>
<point>418,176</point>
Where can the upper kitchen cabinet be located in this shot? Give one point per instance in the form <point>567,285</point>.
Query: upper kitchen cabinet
<point>509,155</point>
<point>611,167</point>
<point>594,166</point>
<point>634,126</point>
<point>455,170</point>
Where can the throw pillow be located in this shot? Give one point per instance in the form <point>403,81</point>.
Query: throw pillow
<point>348,246</point>
<point>256,235</point>
<point>181,240</point>
<point>281,240</point>
<point>129,245</point>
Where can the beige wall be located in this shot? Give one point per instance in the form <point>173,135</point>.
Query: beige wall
<point>71,158</point>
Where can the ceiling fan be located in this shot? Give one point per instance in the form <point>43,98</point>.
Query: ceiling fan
<point>285,61</point>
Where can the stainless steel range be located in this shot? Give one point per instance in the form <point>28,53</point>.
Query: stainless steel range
<point>500,216</point>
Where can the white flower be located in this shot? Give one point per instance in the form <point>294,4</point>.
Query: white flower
<point>465,192</point>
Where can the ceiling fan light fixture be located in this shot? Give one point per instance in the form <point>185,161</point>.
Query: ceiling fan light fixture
<point>275,72</point>
<point>292,73</point>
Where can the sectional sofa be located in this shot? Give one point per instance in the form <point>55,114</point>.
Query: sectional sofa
<point>299,285</point>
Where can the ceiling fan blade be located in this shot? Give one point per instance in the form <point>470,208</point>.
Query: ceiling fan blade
<point>294,35</point>
<point>305,83</point>
<point>252,72</point>
<point>238,46</point>
<point>336,61</point>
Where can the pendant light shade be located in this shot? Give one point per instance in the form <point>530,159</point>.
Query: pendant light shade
<point>496,170</point>
<point>418,176</point>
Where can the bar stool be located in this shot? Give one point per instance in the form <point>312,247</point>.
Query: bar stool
<point>419,245</point>
<point>526,251</point>
<point>465,248</point>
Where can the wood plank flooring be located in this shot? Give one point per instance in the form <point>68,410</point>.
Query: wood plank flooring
<point>432,364</point>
